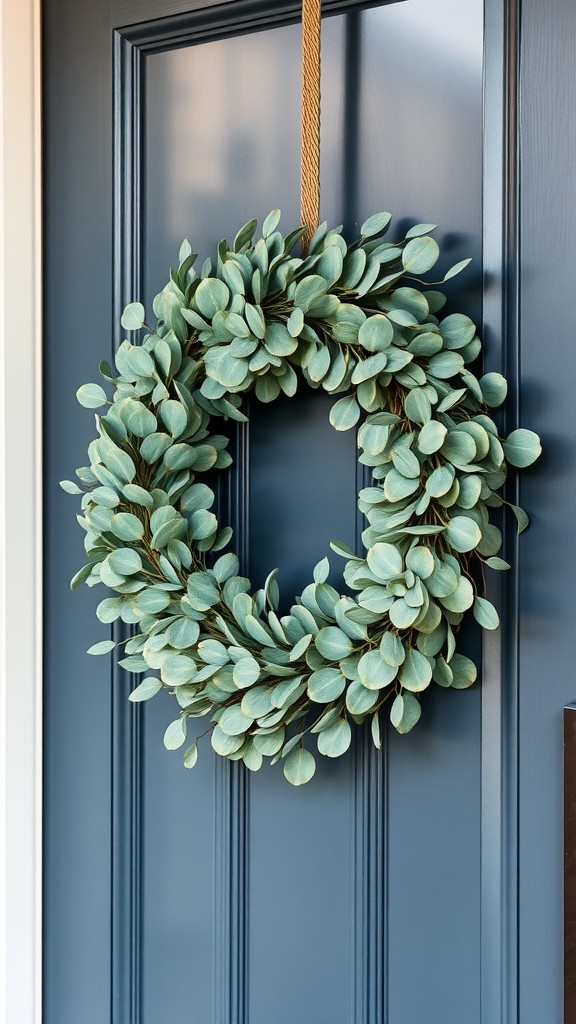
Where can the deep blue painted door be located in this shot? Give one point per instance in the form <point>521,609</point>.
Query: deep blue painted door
<point>374,894</point>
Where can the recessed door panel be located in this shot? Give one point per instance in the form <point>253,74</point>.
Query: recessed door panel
<point>235,898</point>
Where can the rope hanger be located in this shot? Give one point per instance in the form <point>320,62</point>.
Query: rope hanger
<point>310,132</point>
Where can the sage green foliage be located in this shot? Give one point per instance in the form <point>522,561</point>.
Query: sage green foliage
<point>357,321</point>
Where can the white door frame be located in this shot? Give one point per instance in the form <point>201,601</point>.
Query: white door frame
<point>20,514</point>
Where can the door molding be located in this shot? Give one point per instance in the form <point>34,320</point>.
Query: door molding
<point>20,515</point>
<point>500,667</point>
<point>131,47</point>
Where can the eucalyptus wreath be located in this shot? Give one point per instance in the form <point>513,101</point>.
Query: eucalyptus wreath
<point>358,321</point>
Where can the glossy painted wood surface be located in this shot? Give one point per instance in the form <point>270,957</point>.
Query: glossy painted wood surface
<point>547,373</point>
<point>376,868</point>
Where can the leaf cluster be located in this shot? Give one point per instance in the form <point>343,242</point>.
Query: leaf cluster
<point>359,322</point>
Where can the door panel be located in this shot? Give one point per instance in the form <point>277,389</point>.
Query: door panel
<point>229,898</point>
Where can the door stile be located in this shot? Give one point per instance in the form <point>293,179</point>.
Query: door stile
<point>500,666</point>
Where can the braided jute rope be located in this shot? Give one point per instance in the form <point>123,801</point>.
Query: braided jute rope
<point>310,135</point>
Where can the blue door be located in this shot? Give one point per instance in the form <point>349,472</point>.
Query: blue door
<point>395,887</point>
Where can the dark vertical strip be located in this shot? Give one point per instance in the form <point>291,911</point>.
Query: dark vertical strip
<point>370,880</point>
<point>500,669</point>
<point>569,864</point>
<point>351,133</point>
<point>127,724</point>
<point>231,909</point>
<point>232,803</point>
<point>369,862</point>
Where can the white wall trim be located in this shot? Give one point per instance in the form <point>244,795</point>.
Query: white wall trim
<point>20,514</point>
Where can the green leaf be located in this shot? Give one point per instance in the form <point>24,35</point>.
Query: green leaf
<point>178,669</point>
<point>457,330</point>
<point>459,448</point>
<point>494,389</point>
<point>153,447</point>
<point>127,526</point>
<point>406,463</point>
<point>420,229</point>
<point>211,296</point>
<point>251,756</point>
<point>385,561</point>
<point>405,712</point>
<point>392,649</point>
<point>335,740</point>
<point>81,576</point>
<point>202,524</point>
<point>91,396</point>
<point>71,488</point>
<point>255,320</point>
<point>133,316</point>
<point>202,591</point>
<point>367,368</point>
<point>137,495</point>
<point>485,613</point>
<point>227,565</point>
<point>522,448</point>
<point>359,700</point>
<point>321,571</point>
<point>140,421</point>
<point>456,269</point>
<point>376,333</point>
<point>175,734</point>
<point>174,416</point>
<point>118,461</point>
<point>420,255</point>
<point>109,609</point>
<point>463,534</point>
<point>397,486</point>
<point>417,406</point>
<point>299,648</point>
<point>374,672</point>
<point>521,518</point>
<point>460,599</point>
<point>345,413</point>
<point>445,365</point>
<point>140,361</point>
<point>174,529</point>
<point>104,647</point>
<point>182,633</point>
<point>497,563</point>
<point>257,702</point>
<point>333,644</point>
<point>224,744</point>
<point>416,672</point>
<point>440,481</point>
<point>375,730</point>
<point>463,671</point>
<point>244,235</point>
<point>151,601</point>
<point>234,722</point>
<point>271,223</point>
<point>246,672</point>
<point>125,561</point>
<point>470,490</point>
<point>375,225</point>
<point>402,615</point>
<point>421,561</point>
<point>190,756</point>
<point>299,767</point>
<point>325,685</point>
<point>148,688</point>
<point>213,652</point>
<point>431,437</point>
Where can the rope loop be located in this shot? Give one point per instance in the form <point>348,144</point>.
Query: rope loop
<point>310,134</point>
